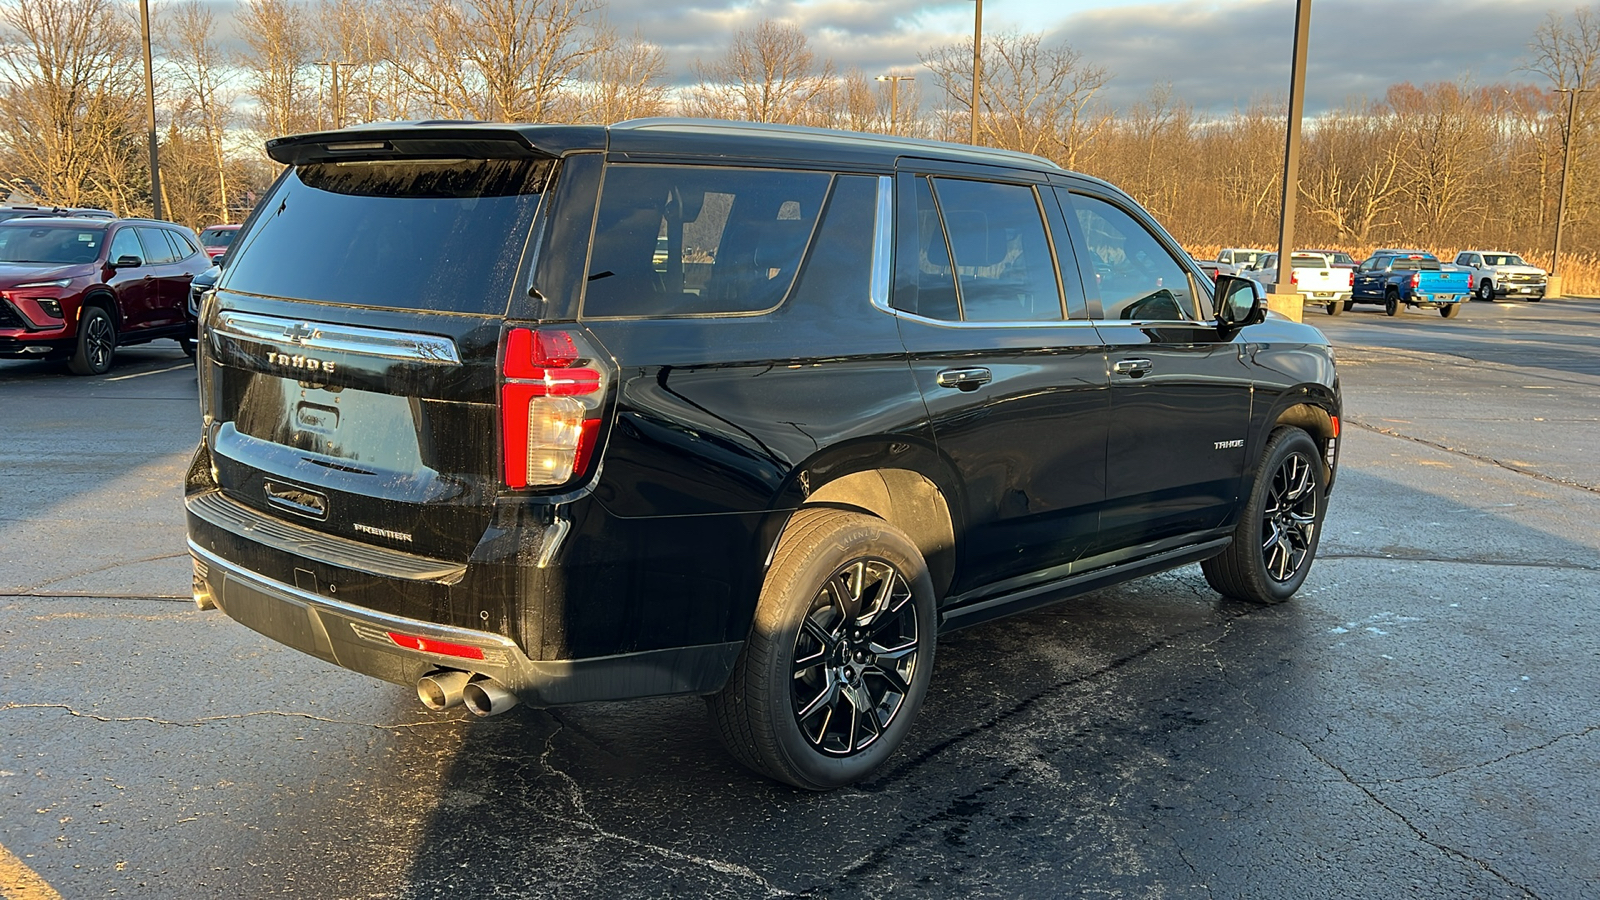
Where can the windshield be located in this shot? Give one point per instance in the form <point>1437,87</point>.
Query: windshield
<point>441,234</point>
<point>1502,259</point>
<point>21,243</point>
<point>219,238</point>
<point>1245,257</point>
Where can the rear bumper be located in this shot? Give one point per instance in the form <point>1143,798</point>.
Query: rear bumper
<point>356,638</point>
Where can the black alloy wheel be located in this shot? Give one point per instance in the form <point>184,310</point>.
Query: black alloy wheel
<point>1391,304</point>
<point>855,658</point>
<point>839,656</point>
<point>1289,520</point>
<point>1486,290</point>
<point>97,343</point>
<point>1276,539</point>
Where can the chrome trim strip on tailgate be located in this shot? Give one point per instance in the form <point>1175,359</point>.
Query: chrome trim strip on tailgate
<point>241,520</point>
<point>353,339</point>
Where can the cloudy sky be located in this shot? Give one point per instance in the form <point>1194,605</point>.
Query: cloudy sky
<point>1216,54</point>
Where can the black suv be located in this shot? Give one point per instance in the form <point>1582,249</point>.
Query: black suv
<point>563,414</point>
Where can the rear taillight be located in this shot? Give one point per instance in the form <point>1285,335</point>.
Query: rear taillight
<point>551,394</point>
<point>1416,279</point>
<point>1349,277</point>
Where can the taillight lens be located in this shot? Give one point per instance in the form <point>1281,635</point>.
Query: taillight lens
<point>551,394</point>
<point>1416,279</point>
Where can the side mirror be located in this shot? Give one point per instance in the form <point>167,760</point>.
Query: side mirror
<point>127,262</point>
<point>1239,303</point>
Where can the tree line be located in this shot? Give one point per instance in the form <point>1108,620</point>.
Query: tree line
<point>1440,165</point>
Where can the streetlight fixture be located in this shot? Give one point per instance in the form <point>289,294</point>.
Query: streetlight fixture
<point>1284,297</point>
<point>1553,284</point>
<point>150,109</point>
<point>977,66</point>
<point>894,98</point>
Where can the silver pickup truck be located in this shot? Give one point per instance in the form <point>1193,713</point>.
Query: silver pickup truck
<point>1496,273</point>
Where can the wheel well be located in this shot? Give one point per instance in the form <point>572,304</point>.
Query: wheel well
<point>106,302</point>
<point>1313,420</point>
<point>909,502</point>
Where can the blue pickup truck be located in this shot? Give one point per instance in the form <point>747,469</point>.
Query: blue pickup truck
<point>1398,280</point>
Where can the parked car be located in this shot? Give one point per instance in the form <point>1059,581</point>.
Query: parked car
<point>1496,273</point>
<point>76,289</point>
<point>1412,279</point>
<point>198,288</point>
<point>1232,260</point>
<point>1337,258</point>
<point>53,212</point>
<point>853,404</point>
<point>216,238</point>
<point>1313,274</point>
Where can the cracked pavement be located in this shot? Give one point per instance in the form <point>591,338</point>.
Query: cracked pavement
<point>1421,720</point>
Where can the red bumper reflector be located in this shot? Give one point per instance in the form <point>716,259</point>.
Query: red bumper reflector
<point>429,645</point>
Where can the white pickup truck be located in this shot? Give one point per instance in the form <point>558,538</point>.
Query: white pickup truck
<point>1496,273</point>
<point>1314,276</point>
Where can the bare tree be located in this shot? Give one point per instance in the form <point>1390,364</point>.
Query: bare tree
<point>194,68</point>
<point>278,39</point>
<point>68,111</point>
<point>1036,99</point>
<point>1352,161</point>
<point>769,74</point>
<point>623,79</point>
<point>1566,52</point>
<point>506,60</point>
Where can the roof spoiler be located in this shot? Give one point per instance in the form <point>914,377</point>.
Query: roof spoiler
<point>433,140</point>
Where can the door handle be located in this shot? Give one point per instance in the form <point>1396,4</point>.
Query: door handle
<point>1133,368</point>
<point>964,379</point>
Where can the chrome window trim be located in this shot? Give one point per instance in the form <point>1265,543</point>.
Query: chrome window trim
<point>351,339</point>
<point>883,243</point>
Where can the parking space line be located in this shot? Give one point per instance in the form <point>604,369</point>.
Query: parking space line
<point>18,882</point>
<point>151,372</point>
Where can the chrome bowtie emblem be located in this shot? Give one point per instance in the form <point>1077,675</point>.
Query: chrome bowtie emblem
<point>298,332</point>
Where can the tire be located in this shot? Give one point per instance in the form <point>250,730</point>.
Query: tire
<point>1535,298</point>
<point>1391,304</point>
<point>97,343</point>
<point>805,665</point>
<point>1449,310</point>
<point>1275,542</point>
<point>1486,290</point>
<point>190,347</point>
<point>1337,308</point>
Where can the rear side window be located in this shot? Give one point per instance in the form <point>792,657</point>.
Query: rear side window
<point>693,240</point>
<point>157,251</point>
<point>1002,255</point>
<point>445,234</point>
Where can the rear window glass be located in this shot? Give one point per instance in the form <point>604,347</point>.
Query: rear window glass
<point>218,238</point>
<point>689,240</point>
<point>21,243</point>
<point>416,234</point>
<point>1412,265</point>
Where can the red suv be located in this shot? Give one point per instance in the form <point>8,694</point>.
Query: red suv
<point>216,238</point>
<point>76,289</point>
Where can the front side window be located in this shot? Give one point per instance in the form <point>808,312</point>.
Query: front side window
<point>694,240</point>
<point>1003,266</point>
<point>126,243</point>
<point>1138,278</point>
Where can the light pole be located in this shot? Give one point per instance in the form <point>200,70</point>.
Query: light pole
<point>977,66</point>
<point>1553,285</point>
<point>150,109</point>
<point>1284,297</point>
<point>894,98</point>
<point>338,101</point>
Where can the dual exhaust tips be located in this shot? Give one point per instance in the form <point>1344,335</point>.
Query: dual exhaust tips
<point>482,695</point>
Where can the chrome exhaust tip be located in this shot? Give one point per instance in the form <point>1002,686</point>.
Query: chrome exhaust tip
<point>441,690</point>
<point>487,697</point>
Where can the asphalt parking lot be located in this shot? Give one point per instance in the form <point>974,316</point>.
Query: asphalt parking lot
<point>1421,720</point>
